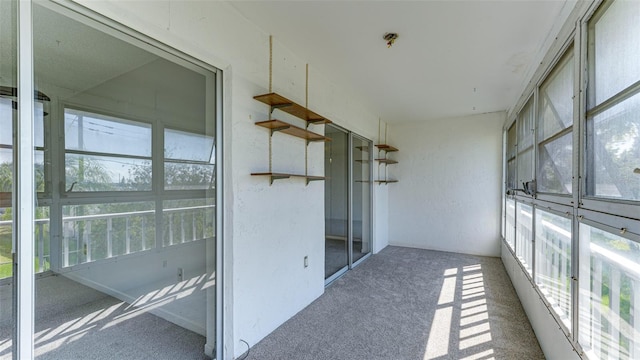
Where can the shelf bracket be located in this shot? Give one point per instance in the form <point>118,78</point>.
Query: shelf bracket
<point>277,177</point>
<point>313,179</point>
<point>278,106</point>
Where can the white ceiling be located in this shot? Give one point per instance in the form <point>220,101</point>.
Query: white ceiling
<point>452,58</point>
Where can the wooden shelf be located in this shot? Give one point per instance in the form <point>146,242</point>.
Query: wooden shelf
<point>282,103</point>
<point>362,161</point>
<point>387,161</point>
<point>362,148</point>
<point>380,182</point>
<point>387,148</point>
<point>278,176</point>
<point>278,125</point>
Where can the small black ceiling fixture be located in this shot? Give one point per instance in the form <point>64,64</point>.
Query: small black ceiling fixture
<point>390,37</point>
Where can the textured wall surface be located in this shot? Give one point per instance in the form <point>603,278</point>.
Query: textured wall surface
<point>448,197</point>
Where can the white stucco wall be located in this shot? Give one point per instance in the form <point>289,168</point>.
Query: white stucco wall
<point>268,229</point>
<point>448,194</point>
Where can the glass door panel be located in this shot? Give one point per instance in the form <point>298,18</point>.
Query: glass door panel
<point>8,116</point>
<point>336,201</point>
<point>361,198</point>
<point>128,141</point>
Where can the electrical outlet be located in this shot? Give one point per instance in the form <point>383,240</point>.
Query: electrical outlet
<point>180,274</point>
<point>306,261</point>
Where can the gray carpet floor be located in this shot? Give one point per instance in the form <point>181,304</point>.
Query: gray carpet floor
<point>76,322</point>
<point>410,304</point>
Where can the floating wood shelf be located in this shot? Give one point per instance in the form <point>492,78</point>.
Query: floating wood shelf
<point>277,176</point>
<point>362,161</point>
<point>362,148</point>
<point>380,182</point>
<point>280,102</point>
<point>277,125</point>
<point>387,161</point>
<point>387,148</point>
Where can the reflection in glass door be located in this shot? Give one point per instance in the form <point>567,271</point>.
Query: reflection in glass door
<point>107,195</point>
<point>361,198</point>
<point>336,166</point>
<point>347,201</point>
<point>8,116</point>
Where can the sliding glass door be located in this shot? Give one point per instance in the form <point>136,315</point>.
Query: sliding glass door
<point>8,118</point>
<point>347,200</point>
<point>108,192</point>
<point>336,157</point>
<point>361,197</point>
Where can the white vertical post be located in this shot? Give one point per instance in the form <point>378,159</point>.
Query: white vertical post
<point>86,240</point>
<point>170,229</point>
<point>40,247</point>
<point>614,318</point>
<point>635,296</point>
<point>24,187</point>
<point>193,226</point>
<point>182,227</point>
<point>65,247</point>
<point>127,237</point>
<point>142,231</point>
<point>596,314</point>
<point>109,237</point>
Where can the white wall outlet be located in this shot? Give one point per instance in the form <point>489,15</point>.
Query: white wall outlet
<point>306,261</point>
<point>180,274</point>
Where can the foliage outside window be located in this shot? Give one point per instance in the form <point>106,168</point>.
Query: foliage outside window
<point>613,120</point>
<point>104,153</point>
<point>609,295</point>
<point>555,125</point>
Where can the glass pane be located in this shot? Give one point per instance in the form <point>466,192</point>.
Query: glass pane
<point>511,175</point>
<point>101,231</point>
<point>615,49</point>
<point>526,126</point>
<point>556,100</point>
<point>553,262</point>
<point>525,167</point>
<point>85,131</point>
<point>6,145</point>
<point>615,151</point>
<point>182,145</point>
<point>510,225</point>
<point>8,83</point>
<point>186,176</point>
<point>106,173</point>
<point>511,142</point>
<point>361,198</point>
<point>112,289</point>
<point>524,235</point>
<point>336,164</point>
<point>609,295</point>
<point>555,165</point>
<point>187,220</point>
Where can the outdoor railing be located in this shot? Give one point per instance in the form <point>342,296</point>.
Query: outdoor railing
<point>87,238</point>
<point>611,319</point>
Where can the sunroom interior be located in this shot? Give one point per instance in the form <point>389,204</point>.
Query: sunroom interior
<point>140,203</point>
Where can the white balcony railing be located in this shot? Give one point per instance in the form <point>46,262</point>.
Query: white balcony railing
<point>88,238</point>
